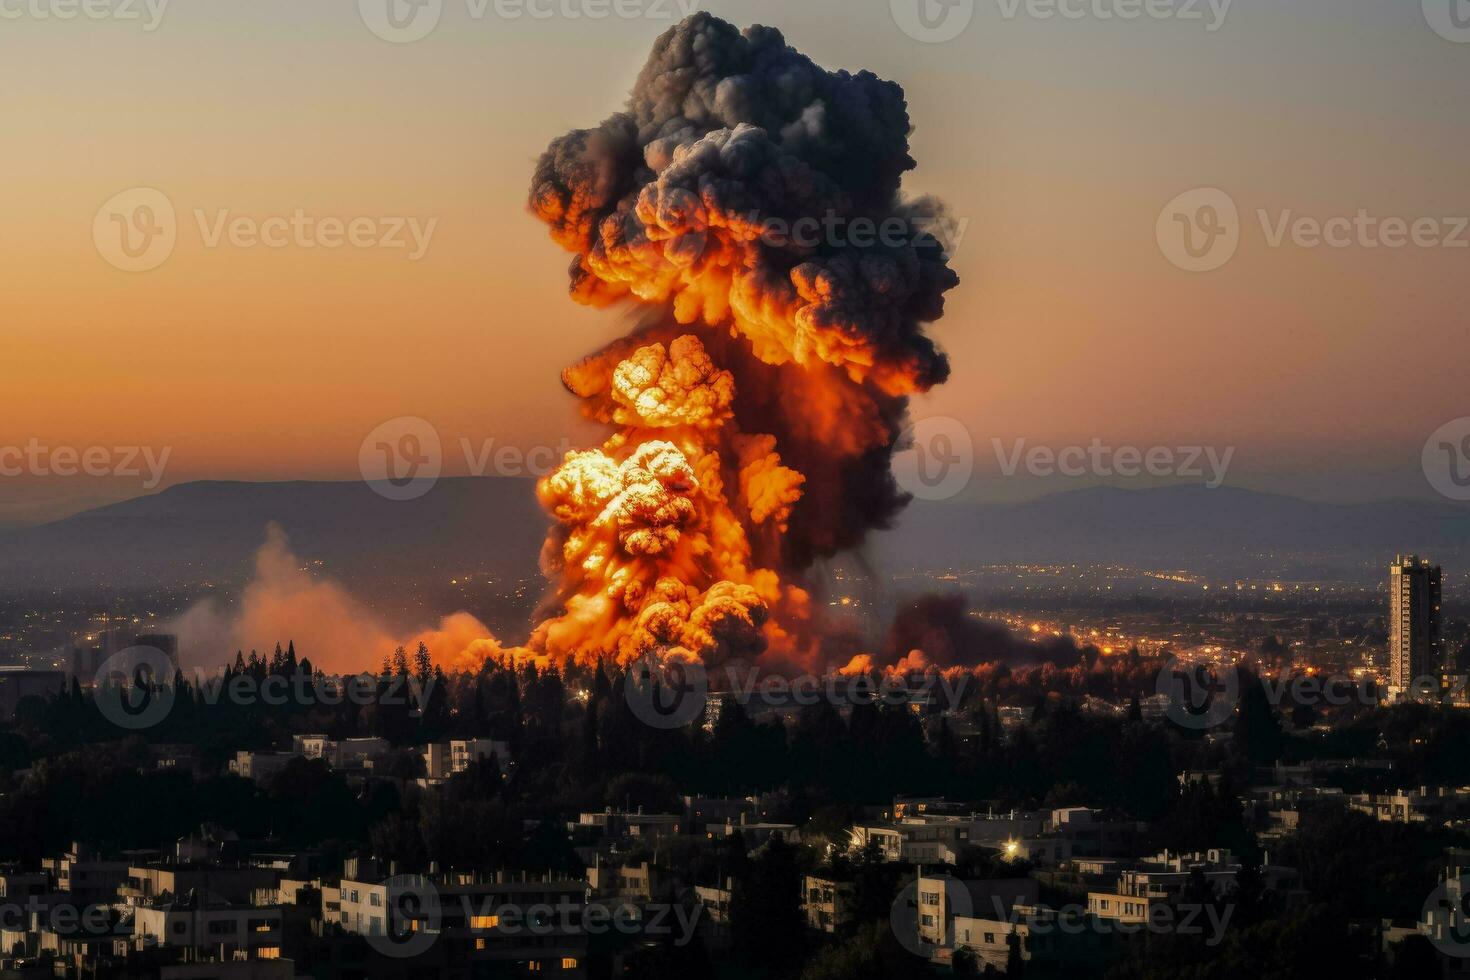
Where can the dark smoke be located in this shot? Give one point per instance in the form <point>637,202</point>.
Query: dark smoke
<point>942,627</point>
<point>656,202</point>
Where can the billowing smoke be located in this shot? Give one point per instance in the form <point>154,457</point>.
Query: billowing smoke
<point>750,201</point>
<point>336,632</point>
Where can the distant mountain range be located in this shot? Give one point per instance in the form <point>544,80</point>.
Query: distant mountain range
<point>210,531</point>
<point>1224,531</point>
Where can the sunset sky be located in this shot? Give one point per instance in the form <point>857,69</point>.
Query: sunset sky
<point>1054,142</point>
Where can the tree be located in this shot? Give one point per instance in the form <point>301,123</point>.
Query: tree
<point>765,909</point>
<point>1257,729</point>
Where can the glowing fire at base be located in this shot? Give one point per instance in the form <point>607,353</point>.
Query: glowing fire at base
<point>651,551</point>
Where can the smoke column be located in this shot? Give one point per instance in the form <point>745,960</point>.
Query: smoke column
<point>749,202</point>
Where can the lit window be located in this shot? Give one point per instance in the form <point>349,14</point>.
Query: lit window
<point>268,953</point>
<point>569,963</point>
<point>484,921</point>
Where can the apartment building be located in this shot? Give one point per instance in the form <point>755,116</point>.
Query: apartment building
<point>827,902</point>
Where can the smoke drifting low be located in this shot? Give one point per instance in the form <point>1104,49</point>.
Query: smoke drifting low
<point>941,627</point>
<point>337,633</point>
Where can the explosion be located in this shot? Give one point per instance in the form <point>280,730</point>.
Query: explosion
<point>758,407</point>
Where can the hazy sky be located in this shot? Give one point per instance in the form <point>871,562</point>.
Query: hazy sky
<point>1056,142</point>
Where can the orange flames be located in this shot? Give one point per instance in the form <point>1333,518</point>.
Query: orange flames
<point>757,414</point>
<point>652,549</point>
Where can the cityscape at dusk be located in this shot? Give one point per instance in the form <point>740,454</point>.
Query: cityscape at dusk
<point>733,489</point>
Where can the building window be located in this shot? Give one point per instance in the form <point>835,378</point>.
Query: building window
<point>569,963</point>
<point>484,921</point>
